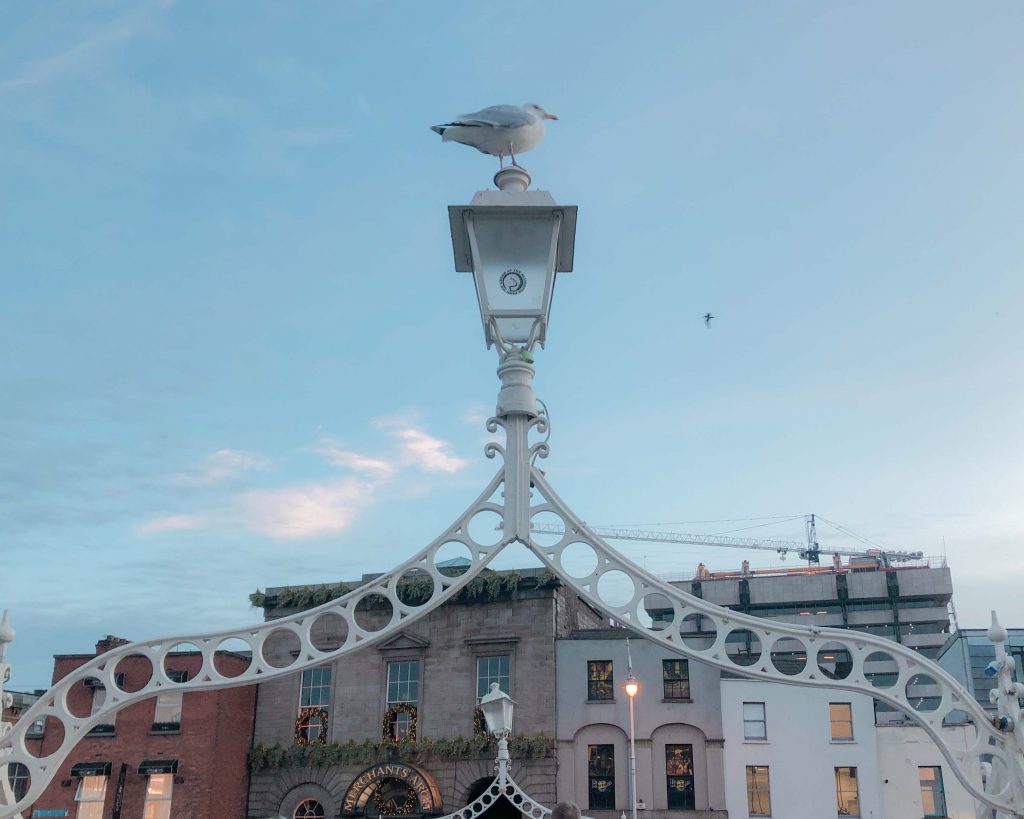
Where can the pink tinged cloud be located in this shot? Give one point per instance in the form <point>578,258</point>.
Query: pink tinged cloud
<point>378,467</point>
<point>170,523</point>
<point>426,452</point>
<point>301,512</point>
<point>223,464</point>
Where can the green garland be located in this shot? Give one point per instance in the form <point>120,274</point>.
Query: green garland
<point>275,757</point>
<point>486,588</point>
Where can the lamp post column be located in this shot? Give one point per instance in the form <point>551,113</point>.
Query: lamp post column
<point>1006,696</point>
<point>632,687</point>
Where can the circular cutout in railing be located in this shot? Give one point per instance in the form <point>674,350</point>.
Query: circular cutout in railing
<point>743,647</point>
<point>881,670</point>
<point>835,661</point>
<point>615,588</point>
<point>82,699</point>
<point>281,648</point>
<point>578,560</point>
<point>452,558</point>
<point>547,519</point>
<point>53,736</point>
<point>373,612</point>
<point>182,662</point>
<point>698,631</point>
<point>923,693</point>
<point>789,656</point>
<point>414,588</point>
<point>485,528</point>
<point>133,673</point>
<point>232,657</point>
<point>328,632</point>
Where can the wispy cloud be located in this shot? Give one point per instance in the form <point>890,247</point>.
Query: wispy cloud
<point>337,455</point>
<point>420,449</point>
<point>301,512</point>
<point>221,465</point>
<point>170,523</point>
<point>77,57</point>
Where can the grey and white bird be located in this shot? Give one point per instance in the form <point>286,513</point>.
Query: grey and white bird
<point>501,130</point>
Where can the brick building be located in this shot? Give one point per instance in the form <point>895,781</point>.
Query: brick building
<point>391,728</point>
<point>175,755</point>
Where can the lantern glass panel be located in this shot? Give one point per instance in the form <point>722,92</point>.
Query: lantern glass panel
<point>514,270</point>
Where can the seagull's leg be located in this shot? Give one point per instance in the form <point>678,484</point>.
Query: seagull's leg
<point>513,155</point>
<point>501,160</point>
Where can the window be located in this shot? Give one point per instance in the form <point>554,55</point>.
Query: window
<point>314,702</point>
<point>36,728</point>
<point>679,773</point>
<point>847,798</point>
<point>158,796</point>
<point>601,771</point>
<point>92,790</point>
<point>599,680</point>
<point>168,710</point>
<point>754,726</point>
<point>840,715</point>
<point>492,670</point>
<point>17,778</point>
<point>933,796</point>
<point>309,809</point>
<point>676,679</point>
<point>759,797</point>
<point>403,689</point>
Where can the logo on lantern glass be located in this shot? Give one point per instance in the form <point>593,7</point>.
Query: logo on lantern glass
<point>512,281</point>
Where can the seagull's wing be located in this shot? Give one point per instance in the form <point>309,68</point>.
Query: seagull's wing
<point>497,116</point>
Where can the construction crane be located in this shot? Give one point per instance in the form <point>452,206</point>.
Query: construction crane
<point>811,551</point>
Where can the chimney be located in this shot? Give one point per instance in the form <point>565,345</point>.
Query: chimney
<point>110,642</point>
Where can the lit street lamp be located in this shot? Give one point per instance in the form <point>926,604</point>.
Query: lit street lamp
<point>632,687</point>
<point>497,707</point>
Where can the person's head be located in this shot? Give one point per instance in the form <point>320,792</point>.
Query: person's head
<point>565,810</point>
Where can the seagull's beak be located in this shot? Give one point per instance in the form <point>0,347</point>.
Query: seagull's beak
<point>549,116</point>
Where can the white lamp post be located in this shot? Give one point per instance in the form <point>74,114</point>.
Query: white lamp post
<point>514,241</point>
<point>632,687</point>
<point>497,707</point>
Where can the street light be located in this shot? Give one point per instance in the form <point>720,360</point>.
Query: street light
<point>514,241</point>
<point>497,707</point>
<point>632,687</point>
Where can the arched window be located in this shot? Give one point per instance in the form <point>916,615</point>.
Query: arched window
<point>309,809</point>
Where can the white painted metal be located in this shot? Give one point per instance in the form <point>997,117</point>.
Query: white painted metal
<point>518,493</point>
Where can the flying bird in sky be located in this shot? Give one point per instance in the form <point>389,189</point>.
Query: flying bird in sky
<point>707,319</point>
<point>501,130</point>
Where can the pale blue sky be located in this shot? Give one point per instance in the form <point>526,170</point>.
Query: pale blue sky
<point>235,353</point>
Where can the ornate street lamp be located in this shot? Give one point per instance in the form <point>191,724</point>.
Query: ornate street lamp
<point>497,707</point>
<point>514,241</point>
<point>632,687</point>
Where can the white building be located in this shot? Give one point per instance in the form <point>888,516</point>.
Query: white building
<point>916,779</point>
<point>798,753</point>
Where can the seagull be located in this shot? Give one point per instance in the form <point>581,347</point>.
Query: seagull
<point>707,319</point>
<point>501,130</point>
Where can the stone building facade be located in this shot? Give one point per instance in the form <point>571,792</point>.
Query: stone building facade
<point>390,728</point>
<point>180,755</point>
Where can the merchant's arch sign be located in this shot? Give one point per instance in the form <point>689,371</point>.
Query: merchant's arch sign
<point>392,789</point>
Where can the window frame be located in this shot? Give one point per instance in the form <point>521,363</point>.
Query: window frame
<point>165,713</point>
<point>842,796</point>
<point>673,682</point>
<point>607,775</point>
<point>90,804</point>
<point>600,688</point>
<point>832,722</point>
<point>753,789</point>
<point>670,791</point>
<point>401,724</point>
<point>319,806</point>
<point>937,769</point>
<point>763,722</point>
<point>158,800</point>
<point>308,709</point>
<point>489,677</point>
<point>18,778</point>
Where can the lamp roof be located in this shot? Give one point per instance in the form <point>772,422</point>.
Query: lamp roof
<point>513,203</point>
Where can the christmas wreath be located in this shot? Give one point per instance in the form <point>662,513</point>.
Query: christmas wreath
<point>391,716</point>
<point>307,717</point>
